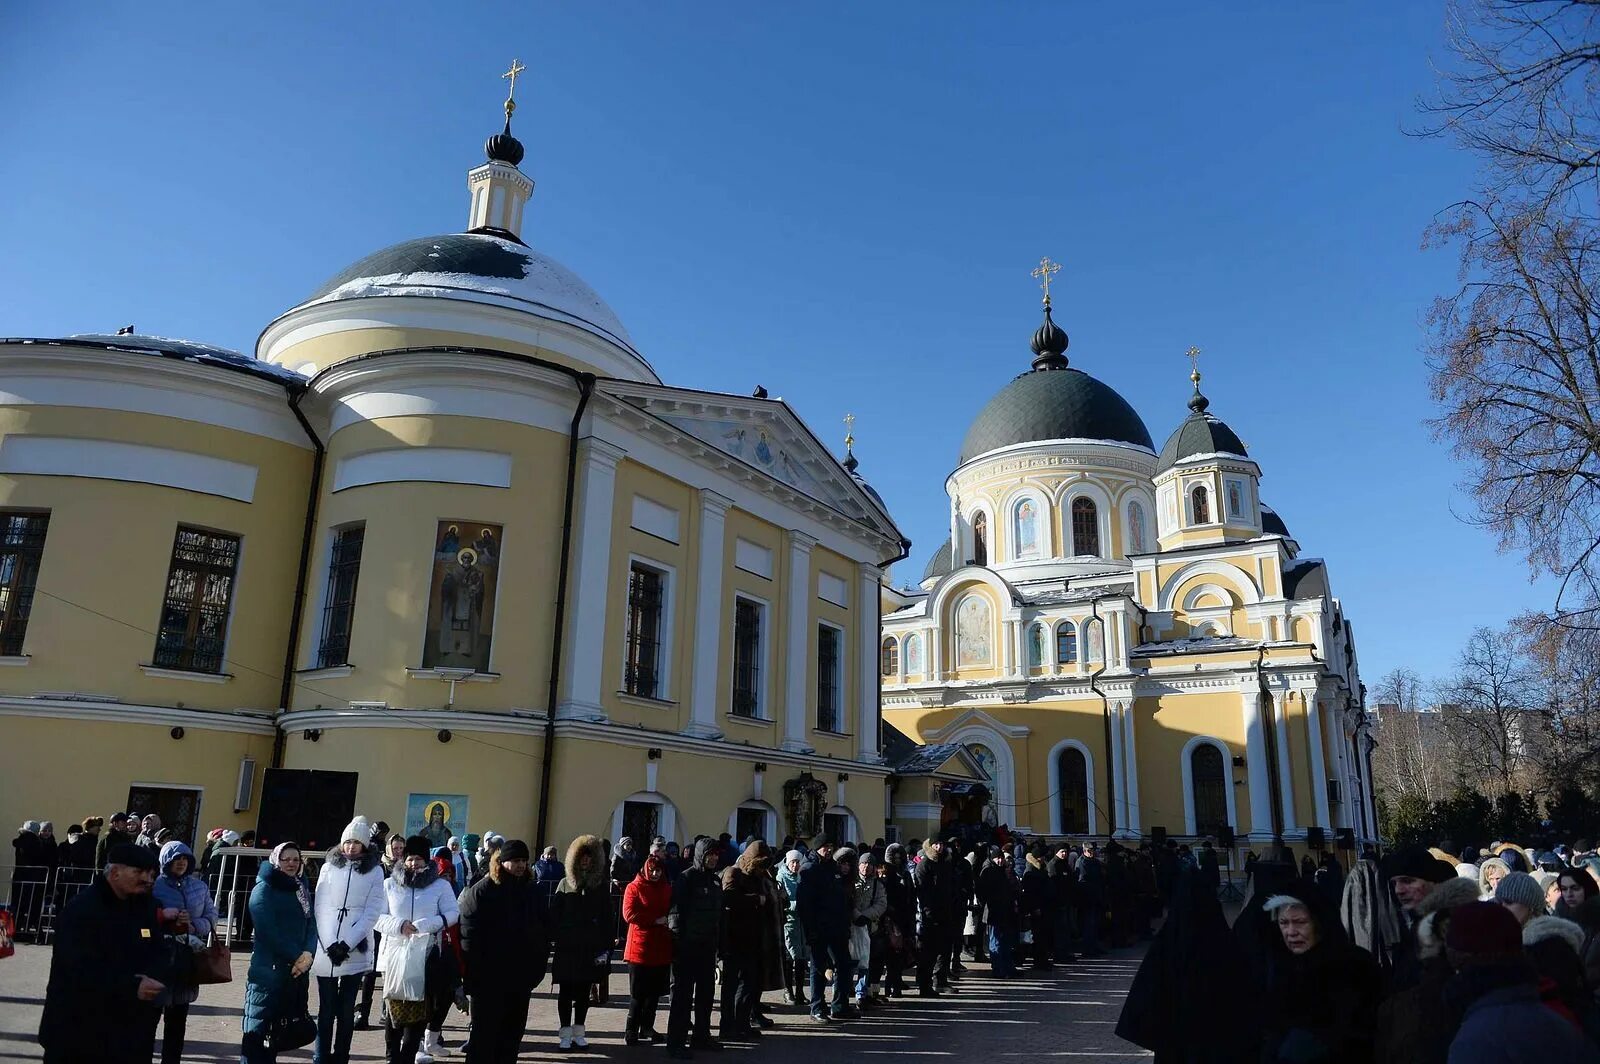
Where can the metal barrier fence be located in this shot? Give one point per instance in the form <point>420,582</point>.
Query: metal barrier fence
<point>34,894</point>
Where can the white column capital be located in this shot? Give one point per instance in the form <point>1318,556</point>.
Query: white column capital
<point>800,543</point>
<point>595,452</point>
<point>713,504</point>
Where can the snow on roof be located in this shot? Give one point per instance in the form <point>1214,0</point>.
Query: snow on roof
<point>1205,644</point>
<point>915,609</point>
<point>184,350</point>
<point>1060,596</point>
<point>1213,456</point>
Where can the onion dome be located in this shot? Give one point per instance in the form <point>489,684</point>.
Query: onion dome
<point>503,147</point>
<point>1049,344</point>
<point>1202,435</point>
<point>1272,524</point>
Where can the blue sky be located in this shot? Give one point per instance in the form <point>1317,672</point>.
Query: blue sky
<point>840,202</point>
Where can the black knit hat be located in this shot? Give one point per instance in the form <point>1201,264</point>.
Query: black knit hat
<point>514,850</point>
<point>132,855</point>
<point>1417,863</point>
<point>416,846</point>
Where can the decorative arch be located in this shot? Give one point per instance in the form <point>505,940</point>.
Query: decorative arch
<point>889,657</point>
<point>1186,760</point>
<point>854,834</point>
<point>1005,769</point>
<point>1225,597</point>
<point>912,658</point>
<point>1230,576</point>
<point>769,831</point>
<point>1028,535</point>
<point>1054,775</point>
<point>667,817</point>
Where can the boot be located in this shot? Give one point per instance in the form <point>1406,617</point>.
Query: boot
<point>578,1039</point>
<point>788,982</point>
<point>800,985</point>
<point>564,1039</point>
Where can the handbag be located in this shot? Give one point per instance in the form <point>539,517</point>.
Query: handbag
<point>897,938</point>
<point>295,1028</point>
<point>214,964</point>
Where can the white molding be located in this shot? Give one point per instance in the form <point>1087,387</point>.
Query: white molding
<point>435,465</point>
<point>1053,774</point>
<point>752,557</point>
<point>185,674</point>
<point>654,519</point>
<point>667,824</point>
<point>332,672</point>
<point>741,752</point>
<point>420,673</point>
<point>1187,768</point>
<point>15,660</point>
<point>591,575</point>
<point>1249,593</point>
<point>126,713</point>
<point>135,463</point>
<point>770,827</point>
<point>832,589</point>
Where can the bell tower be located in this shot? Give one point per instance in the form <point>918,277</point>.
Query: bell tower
<point>499,190</point>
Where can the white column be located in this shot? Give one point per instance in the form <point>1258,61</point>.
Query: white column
<point>1278,705</point>
<point>591,570</point>
<point>1255,747</point>
<point>935,654</point>
<point>1119,790</point>
<point>1130,758</point>
<point>709,629</point>
<point>870,595</point>
<point>797,662</point>
<point>1319,764</point>
<point>1019,632</point>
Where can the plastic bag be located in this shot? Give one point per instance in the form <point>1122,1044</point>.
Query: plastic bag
<point>405,967</point>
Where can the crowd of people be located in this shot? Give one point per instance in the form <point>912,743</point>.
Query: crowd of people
<point>704,934</point>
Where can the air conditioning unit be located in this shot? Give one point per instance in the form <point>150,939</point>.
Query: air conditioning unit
<point>247,784</point>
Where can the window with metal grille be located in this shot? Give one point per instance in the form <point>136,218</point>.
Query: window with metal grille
<point>828,716</point>
<point>1201,504</point>
<point>1085,527</point>
<point>746,658</point>
<point>750,823</point>
<point>21,549</point>
<point>339,604</point>
<point>194,614</point>
<point>1073,772</point>
<point>1208,777</point>
<point>889,665</point>
<point>641,672</point>
<point>1066,644</point>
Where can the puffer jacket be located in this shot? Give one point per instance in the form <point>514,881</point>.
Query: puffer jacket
<point>643,903</point>
<point>187,892</point>
<point>696,915</point>
<point>935,882</point>
<point>283,931</point>
<point>350,898</point>
<point>581,921</point>
<point>425,899</point>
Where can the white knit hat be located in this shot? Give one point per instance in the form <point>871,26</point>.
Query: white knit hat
<point>357,830</point>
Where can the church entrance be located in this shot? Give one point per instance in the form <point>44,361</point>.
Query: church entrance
<point>178,807</point>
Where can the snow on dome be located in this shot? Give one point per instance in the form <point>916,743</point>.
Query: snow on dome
<point>478,267</point>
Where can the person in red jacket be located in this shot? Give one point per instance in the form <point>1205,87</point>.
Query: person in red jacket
<point>645,904</point>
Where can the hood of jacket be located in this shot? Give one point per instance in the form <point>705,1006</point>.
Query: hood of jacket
<point>1430,925</point>
<point>927,854</point>
<point>362,865</point>
<point>595,877</point>
<point>701,848</point>
<point>1541,928</point>
<point>171,852</point>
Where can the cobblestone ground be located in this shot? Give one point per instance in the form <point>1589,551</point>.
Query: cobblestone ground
<point>1069,1013</point>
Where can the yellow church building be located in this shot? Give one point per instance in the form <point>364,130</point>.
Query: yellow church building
<point>1123,642</point>
<point>444,545</point>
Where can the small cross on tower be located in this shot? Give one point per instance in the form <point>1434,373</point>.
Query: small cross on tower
<point>849,432</point>
<point>516,68</point>
<point>1193,355</point>
<point>1044,271</point>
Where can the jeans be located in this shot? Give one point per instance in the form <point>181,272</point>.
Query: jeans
<point>836,955</point>
<point>694,985</point>
<point>336,1001</point>
<point>174,1021</point>
<point>1002,942</point>
<point>739,994</point>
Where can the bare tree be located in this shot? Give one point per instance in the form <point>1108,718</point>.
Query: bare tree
<point>1409,759</point>
<point>1494,710</point>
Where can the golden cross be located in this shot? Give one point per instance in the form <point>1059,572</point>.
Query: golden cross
<point>849,432</point>
<point>1044,271</point>
<point>516,68</point>
<point>1194,360</point>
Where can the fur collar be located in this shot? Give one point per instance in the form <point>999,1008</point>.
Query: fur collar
<point>368,859</point>
<point>415,880</point>
<point>595,877</point>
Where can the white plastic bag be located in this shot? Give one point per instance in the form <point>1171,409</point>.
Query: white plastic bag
<point>405,966</point>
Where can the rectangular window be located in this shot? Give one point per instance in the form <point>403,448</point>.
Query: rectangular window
<point>828,716</point>
<point>21,548</point>
<point>750,823</point>
<point>747,637</point>
<point>641,671</point>
<point>194,614</point>
<point>339,602</point>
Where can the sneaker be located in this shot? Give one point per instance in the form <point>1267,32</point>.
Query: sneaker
<point>424,1057</point>
<point>819,1017</point>
<point>564,1038</point>
<point>578,1039</point>
<point>433,1043</point>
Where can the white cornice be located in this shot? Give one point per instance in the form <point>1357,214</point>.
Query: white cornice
<point>125,713</point>
<point>640,737</point>
<point>1128,459</point>
<point>978,716</point>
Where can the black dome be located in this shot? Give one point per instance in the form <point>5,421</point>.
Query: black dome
<point>1272,524</point>
<point>1200,433</point>
<point>939,564</point>
<point>1054,404</point>
<point>503,147</point>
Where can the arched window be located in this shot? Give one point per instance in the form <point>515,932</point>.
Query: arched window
<point>1201,505</point>
<point>1036,646</point>
<point>1135,528</point>
<point>913,655</point>
<point>1066,644</point>
<point>1073,771</point>
<point>980,538</point>
<point>1025,528</point>
<point>889,665</point>
<point>1085,527</point>
<point>1209,780</point>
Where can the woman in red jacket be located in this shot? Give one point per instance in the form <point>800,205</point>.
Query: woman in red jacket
<point>649,949</point>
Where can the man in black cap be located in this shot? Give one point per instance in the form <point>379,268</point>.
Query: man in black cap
<point>824,911</point>
<point>938,904</point>
<point>1413,873</point>
<point>108,981</point>
<point>505,942</point>
<point>116,833</point>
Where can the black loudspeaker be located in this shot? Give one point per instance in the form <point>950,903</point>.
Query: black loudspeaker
<point>1314,837</point>
<point>1225,836</point>
<point>305,806</point>
<point>1158,836</point>
<point>1347,838</point>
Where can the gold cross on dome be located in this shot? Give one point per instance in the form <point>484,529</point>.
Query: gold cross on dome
<point>1193,355</point>
<point>849,432</point>
<point>1044,271</point>
<point>516,68</point>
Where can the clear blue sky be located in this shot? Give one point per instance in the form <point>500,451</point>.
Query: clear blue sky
<point>840,202</point>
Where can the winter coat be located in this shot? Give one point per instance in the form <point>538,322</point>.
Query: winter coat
<point>624,866</point>
<point>1503,1021</point>
<point>548,871</point>
<point>794,936</point>
<point>643,903</point>
<point>504,938</point>
<point>1415,1023</point>
<point>1554,947</point>
<point>773,972</point>
<point>79,854</point>
<point>1034,896</point>
<point>1091,882</point>
<point>997,891</point>
<point>1318,1007</point>
<point>426,900</point>
<point>696,915</point>
<point>92,1009</point>
<point>870,901</point>
<point>1586,916</point>
<point>746,916</point>
<point>350,898</point>
<point>937,901</point>
<point>825,903</point>
<point>900,894</point>
<point>187,892</point>
<point>1064,881</point>
<point>283,931</point>
<point>109,839</point>
<point>581,920</point>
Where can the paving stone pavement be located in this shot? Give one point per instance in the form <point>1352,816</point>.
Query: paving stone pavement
<point>1067,1013</point>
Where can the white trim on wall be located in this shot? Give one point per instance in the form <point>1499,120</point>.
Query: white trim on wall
<point>436,465</point>
<point>65,456</point>
<point>769,830</point>
<point>652,518</point>
<point>1189,826</point>
<point>1053,774</point>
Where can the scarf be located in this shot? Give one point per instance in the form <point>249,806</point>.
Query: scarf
<point>302,892</point>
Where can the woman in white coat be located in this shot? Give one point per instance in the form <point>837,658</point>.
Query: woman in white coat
<point>349,901</point>
<point>420,902</point>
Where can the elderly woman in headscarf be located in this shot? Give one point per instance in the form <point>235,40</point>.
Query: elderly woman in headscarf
<point>285,940</point>
<point>1490,873</point>
<point>1321,991</point>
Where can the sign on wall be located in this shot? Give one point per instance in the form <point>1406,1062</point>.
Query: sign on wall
<point>436,817</point>
<point>461,597</point>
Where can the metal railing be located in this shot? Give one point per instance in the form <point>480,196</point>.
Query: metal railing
<point>35,894</point>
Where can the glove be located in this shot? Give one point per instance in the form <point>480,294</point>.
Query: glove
<point>338,953</point>
<point>861,921</point>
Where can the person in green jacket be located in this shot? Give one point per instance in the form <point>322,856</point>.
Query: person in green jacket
<point>285,940</point>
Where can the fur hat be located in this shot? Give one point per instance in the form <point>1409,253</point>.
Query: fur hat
<point>1545,927</point>
<point>1417,863</point>
<point>358,830</point>
<point>133,856</point>
<point>1433,913</point>
<point>1522,888</point>
<point>514,850</point>
<point>1484,929</point>
<point>416,846</point>
<point>845,856</point>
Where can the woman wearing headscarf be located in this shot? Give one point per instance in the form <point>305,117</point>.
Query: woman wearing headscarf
<point>187,912</point>
<point>747,940</point>
<point>797,954</point>
<point>648,951</point>
<point>1183,1004</point>
<point>1321,992</point>
<point>581,924</point>
<point>1490,873</point>
<point>280,955</point>
<point>997,892</point>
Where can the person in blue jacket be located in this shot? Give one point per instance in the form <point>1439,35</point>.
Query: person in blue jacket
<point>285,941</point>
<point>186,911</point>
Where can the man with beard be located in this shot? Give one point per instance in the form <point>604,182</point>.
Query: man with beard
<point>108,980</point>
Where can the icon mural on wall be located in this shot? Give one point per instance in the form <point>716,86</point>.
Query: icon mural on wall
<point>1027,529</point>
<point>461,598</point>
<point>914,655</point>
<point>436,817</point>
<point>972,631</point>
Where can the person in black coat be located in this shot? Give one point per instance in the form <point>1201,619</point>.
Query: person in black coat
<point>1321,994</point>
<point>937,909</point>
<point>1091,900</point>
<point>504,946</point>
<point>695,921</point>
<point>109,975</point>
<point>824,910</point>
<point>1064,889</point>
<point>1036,904</point>
<point>902,914</point>
<point>997,892</point>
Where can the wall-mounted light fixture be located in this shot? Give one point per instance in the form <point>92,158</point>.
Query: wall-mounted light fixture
<point>444,735</point>
<point>311,735</point>
<point>177,732</point>
<point>653,754</point>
